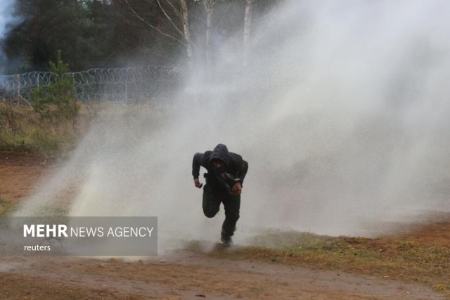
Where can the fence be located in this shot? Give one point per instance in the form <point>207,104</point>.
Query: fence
<point>116,84</point>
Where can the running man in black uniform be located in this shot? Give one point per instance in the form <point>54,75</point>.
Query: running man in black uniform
<point>226,173</point>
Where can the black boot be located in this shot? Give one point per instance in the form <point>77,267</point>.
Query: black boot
<point>226,240</point>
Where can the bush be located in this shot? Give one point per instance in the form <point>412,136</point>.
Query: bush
<point>21,129</point>
<point>56,102</point>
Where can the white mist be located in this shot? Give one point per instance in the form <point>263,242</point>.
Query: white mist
<point>342,113</point>
<point>6,17</point>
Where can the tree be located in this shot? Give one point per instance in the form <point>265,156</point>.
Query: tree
<point>209,8</point>
<point>186,29</point>
<point>56,102</point>
<point>49,25</point>
<point>89,33</point>
<point>95,33</point>
<point>177,28</point>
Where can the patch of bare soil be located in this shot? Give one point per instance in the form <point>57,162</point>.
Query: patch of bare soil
<point>18,174</point>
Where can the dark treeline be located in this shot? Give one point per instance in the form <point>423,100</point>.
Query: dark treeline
<point>93,33</point>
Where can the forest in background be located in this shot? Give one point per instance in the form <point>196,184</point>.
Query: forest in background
<point>116,33</point>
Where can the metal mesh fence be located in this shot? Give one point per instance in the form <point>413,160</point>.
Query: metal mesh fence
<point>99,84</point>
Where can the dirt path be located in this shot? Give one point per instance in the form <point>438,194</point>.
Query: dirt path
<point>183,275</point>
<point>188,276</point>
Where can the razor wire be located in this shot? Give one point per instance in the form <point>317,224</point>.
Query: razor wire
<point>116,84</point>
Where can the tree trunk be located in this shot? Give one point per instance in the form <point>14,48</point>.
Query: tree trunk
<point>247,29</point>
<point>186,30</point>
<point>209,7</point>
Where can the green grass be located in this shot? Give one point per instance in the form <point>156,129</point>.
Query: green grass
<point>33,140</point>
<point>22,130</point>
<point>404,258</point>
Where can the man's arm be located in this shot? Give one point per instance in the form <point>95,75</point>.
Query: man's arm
<point>196,163</point>
<point>242,170</point>
<point>240,167</point>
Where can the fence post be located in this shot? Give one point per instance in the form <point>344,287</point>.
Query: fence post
<point>72,74</point>
<point>18,88</point>
<point>126,85</point>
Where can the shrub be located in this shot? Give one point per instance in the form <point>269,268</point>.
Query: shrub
<point>56,102</point>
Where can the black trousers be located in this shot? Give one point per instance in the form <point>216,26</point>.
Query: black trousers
<point>211,205</point>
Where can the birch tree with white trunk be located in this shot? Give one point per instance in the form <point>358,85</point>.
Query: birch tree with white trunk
<point>209,8</point>
<point>186,29</point>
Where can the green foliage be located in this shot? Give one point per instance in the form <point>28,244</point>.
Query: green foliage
<point>48,126</point>
<point>90,33</point>
<point>56,102</point>
<point>21,129</point>
<point>94,33</point>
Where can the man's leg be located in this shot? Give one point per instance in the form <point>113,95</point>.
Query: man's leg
<point>211,203</point>
<point>232,205</point>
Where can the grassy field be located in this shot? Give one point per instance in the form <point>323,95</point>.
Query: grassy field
<point>21,129</point>
<point>422,255</point>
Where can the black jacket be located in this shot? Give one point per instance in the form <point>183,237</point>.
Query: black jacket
<point>234,164</point>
